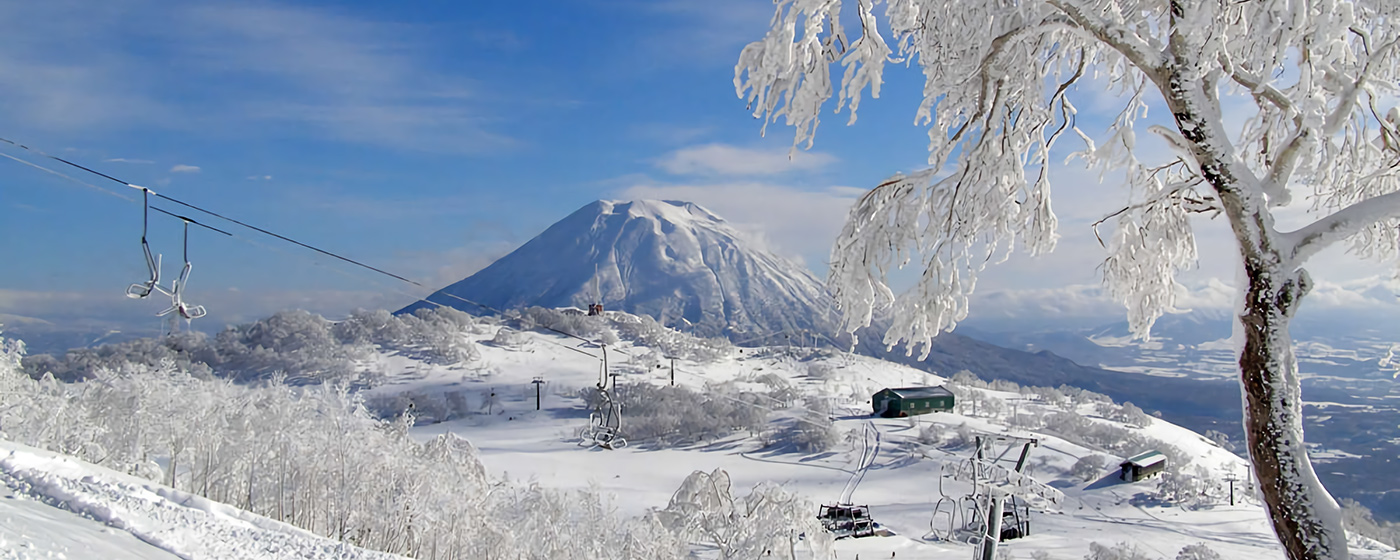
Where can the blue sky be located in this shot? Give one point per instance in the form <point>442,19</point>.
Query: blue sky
<point>427,138</point>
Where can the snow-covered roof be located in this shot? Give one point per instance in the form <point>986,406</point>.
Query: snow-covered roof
<point>921,392</point>
<point>1146,459</point>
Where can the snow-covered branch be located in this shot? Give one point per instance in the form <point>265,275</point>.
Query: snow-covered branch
<point>1144,52</point>
<point>1342,224</point>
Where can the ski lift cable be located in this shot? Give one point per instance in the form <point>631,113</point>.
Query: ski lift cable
<point>148,191</point>
<point>183,203</point>
<point>65,176</point>
<point>145,191</point>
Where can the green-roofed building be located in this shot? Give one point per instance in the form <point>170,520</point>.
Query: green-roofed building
<point>910,401</point>
<point>1142,466</point>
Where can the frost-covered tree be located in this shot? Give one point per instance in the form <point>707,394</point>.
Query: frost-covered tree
<point>1198,551</point>
<point>768,522</point>
<point>1315,80</point>
<point>1120,551</point>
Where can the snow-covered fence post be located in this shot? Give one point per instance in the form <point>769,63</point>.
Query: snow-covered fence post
<point>998,81</point>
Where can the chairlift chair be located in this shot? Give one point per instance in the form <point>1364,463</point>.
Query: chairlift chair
<point>142,290</point>
<point>846,520</point>
<point>177,288</point>
<point>604,424</point>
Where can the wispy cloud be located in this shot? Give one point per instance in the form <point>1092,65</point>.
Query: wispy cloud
<point>128,160</point>
<point>707,33</point>
<point>226,64</point>
<point>724,159</point>
<point>670,134</point>
<point>182,168</point>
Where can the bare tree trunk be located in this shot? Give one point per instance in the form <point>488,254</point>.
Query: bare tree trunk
<point>1303,514</point>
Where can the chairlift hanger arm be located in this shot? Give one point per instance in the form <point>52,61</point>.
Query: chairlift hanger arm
<point>190,220</point>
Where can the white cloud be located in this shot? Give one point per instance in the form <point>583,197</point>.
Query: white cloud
<point>796,223</point>
<point>128,160</point>
<point>182,168</point>
<point>259,177</point>
<point>724,159</point>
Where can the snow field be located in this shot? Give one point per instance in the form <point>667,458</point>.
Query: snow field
<point>902,487</point>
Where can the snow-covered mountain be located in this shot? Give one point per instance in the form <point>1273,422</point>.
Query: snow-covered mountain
<point>689,269</point>
<point>686,267</point>
<point>675,261</point>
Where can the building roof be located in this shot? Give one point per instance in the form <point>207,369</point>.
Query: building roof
<point>1146,459</point>
<point>921,392</point>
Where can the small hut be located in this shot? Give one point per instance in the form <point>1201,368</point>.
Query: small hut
<point>1142,466</point>
<point>909,401</point>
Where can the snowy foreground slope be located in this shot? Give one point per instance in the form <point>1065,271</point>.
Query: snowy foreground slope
<point>796,416</point>
<point>902,488</point>
<point>53,506</point>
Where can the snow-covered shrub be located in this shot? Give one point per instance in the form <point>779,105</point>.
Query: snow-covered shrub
<point>1198,551</point>
<point>1004,385</point>
<point>1089,467</point>
<point>768,522</point>
<point>189,351</point>
<point>966,378</point>
<point>645,331</point>
<point>434,335</point>
<point>305,347</point>
<point>931,434</point>
<point>1358,519</point>
<point>673,416</point>
<point>1220,438</point>
<point>779,389</point>
<point>1048,395</point>
<point>421,407</point>
<point>1131,415</point>
<point>809,430</point>
<point>569,321</point>
<point>1078,396</point>
<point>507,337</point>
<point>821,371</point>
<point>1127,413</point>
<point>1190,488</point>
<point>1120,551</point>
<point>297,343</point>
<point>1114,439</point>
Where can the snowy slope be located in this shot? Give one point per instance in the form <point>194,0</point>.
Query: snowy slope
<point>52,506</point>
<point>675,261</point>
<point>903,488</point>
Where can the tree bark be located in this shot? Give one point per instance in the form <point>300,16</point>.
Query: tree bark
<point>1304,516</point>
<point>1299,507</point>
